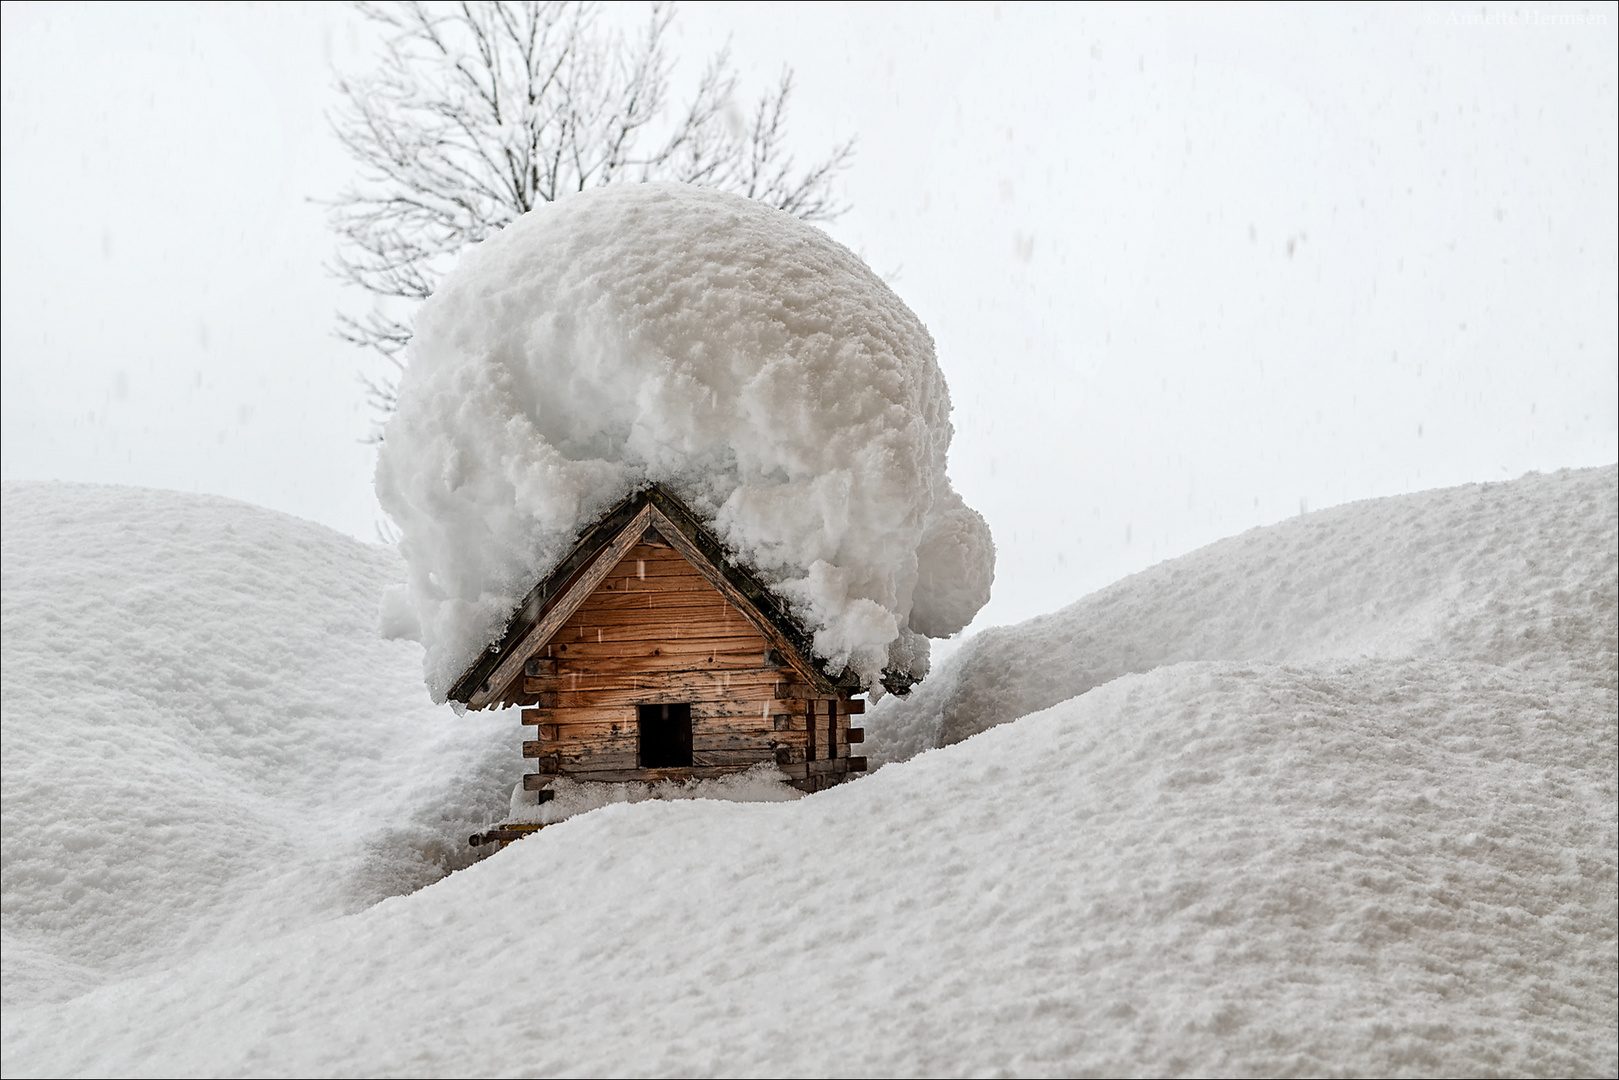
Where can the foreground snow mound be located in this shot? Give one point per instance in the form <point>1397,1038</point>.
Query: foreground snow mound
<point>1385,868</point>
<point>1522,574</point>
<point>667,333</point>
<point>204,741</point>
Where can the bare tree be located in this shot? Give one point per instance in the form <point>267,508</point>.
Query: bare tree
<point>481,111</point>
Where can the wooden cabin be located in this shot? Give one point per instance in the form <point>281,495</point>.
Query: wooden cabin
<point>648,655</point>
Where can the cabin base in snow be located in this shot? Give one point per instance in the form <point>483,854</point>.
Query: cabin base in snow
<point>647,655</point>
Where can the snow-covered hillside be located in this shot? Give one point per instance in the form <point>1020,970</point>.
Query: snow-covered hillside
<point>1391,849</point>
<point>204,739</point>
<point>1518,574</point>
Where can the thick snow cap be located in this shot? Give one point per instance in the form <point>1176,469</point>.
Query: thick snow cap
<point>661,332</point>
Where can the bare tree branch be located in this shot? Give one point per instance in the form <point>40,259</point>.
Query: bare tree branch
<point>481,110</point>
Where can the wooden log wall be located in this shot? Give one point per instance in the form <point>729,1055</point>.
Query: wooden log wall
<point>655,631</point>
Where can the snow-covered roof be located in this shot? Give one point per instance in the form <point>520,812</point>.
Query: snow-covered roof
<point>668,334</point>
<point>654,508</point>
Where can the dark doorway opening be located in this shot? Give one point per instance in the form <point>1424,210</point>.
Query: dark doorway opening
<point>665,736</point>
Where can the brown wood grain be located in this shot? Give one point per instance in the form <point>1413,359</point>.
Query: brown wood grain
<point>734,597</point>
<point>588,667</point>
<point>574,651</point>
<point>594,691</point>
<point>647,600</point>
<point>561,610</point>
<point>672,585</point>
<point>645,776</point>
<point>640,568</point>
<point>630,626</point>
<point>754,756</point>
<point>739,725</point>
<point>744,740</point>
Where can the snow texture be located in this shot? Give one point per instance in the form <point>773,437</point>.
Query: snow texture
<point>1519,575</point>
<point>204,740</point>
<point>667,333</point>
<point>1396,855</point>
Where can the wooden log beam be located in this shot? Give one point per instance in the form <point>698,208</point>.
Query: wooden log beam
<point>749,643</point>
<point>698,685</point>
<point>605,628</point>
<point>696,660</point>
<point>561,610</point>
<point>855,735</point>
<point>656,586</point>
<point>756,756</point>
<point>648,776</point>
<point>600,699</point>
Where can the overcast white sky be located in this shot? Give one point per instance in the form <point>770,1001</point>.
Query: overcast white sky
<point>1189,270</point>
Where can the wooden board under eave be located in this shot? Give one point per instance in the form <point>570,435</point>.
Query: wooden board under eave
<point>654,630</point>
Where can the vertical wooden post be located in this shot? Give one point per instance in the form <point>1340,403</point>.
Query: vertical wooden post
<point>831,730</point>
<point>809,722</point>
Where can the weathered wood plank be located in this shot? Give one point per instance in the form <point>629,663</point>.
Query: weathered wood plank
<point>855,735</point>
<point>622,716</point>
<point>672,586</point>
<point>742,725</point>
<point>713,575</point>
<point>851,707</point>
<point>752,756</point>
<point>754,679</point>
<point>537,781</point>
<point>637,567</point>
<point>762,740</point>
<point>705,605</point>
<point>742,707</point>
<point>593,691</point>
<point>705,660</point>
<point>804,690</point>
<point>623,776</point>
<point>634,627</point>
<point>564,763</point>
<point>747,642</point>
<point>585,738</point>
<point>739,715</point>
<point>562,609</point>
<point>857,764</point>
<point>655,553</point>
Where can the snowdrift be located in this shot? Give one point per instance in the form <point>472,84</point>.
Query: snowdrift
<point>1400,859</point>
<point>204,740</point>
<point>1518,574</point>
<point>661,332</point>
<point>1235,869</point>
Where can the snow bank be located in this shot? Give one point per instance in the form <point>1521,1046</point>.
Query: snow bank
<point>667,333</point>
<point>570,798</point>
<point>1377,864</point>
<point>1520,574</point>
<point>1389,868</point>
<point>203,739</point>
